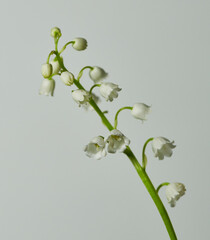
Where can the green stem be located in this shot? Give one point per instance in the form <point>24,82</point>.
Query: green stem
<point>141,172</point>
<point>143,151</point>
<point>60,61</point>
<point>116,116</point>
<point>150,188</point>
<point>56,43</point>
<point>161,185</point>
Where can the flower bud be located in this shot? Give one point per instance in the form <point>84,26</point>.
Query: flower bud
<point>56,66</point>
<point>46,70</point>
<point>140,111</point>
<point>47,87</point>
<point>97,74</point>
<point>79,44</point>
<point>67,78</point>
<point>55,32</point>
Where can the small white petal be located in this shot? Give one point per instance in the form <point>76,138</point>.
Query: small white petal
<point>111,148</point>
<point>116,132</point>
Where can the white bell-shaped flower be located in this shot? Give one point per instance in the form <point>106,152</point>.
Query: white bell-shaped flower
<point>117,142</point>
<point>109,91</point>
<point>173,192</point>
<point>97,74</point>
<point>55,66</point>
<point>96,148</point>
<point>140,111</point>
<point>47,87</point>
<point>67,78</point>
<point>162,147</point>
<point>46,70</point>
<point>81,96</point>
<point>79,44</point>
<point>55,32</point>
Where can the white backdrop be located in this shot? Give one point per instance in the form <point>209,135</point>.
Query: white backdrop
<point>158,52</point>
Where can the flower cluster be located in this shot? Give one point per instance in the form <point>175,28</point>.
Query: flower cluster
<point>54,67</point>
<point>116,141</point>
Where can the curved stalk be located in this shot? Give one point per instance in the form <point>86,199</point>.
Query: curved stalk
<point>143,151</point>
<point>141,172</point>
<point>161,185</point>
<point>95,85</point>
<point>116,116</point>
<point>64,47</point>
<point>81,72</point>
<point>50,54</point>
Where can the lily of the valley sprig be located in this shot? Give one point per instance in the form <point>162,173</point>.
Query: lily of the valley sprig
<point>115,142</point>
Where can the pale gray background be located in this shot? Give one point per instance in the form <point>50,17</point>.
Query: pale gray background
<point>158,52</point>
